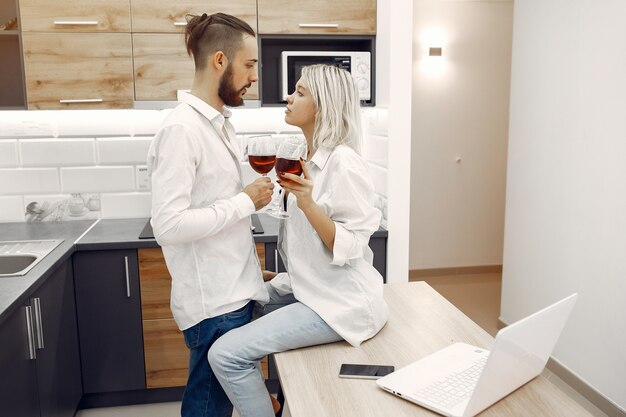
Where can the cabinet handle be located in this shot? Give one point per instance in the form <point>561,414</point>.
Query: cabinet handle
<point>276,260</point>
<point>180,23</point>
<point>38,322</point>
<point>318,25</point>
<point>127,277</point>
<point>84,100</point>
<point>29,329</point>
<point>76,22</point>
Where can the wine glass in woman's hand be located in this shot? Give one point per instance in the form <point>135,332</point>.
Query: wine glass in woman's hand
<point>288,156</point>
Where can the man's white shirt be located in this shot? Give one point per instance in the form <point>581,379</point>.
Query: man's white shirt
<point>201,216</point>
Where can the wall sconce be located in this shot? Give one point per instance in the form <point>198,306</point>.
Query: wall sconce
<point>435,51</point>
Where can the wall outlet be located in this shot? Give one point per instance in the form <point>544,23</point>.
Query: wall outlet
<point>142,178</point>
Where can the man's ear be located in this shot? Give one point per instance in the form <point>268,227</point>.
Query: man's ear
<point>219,61</point>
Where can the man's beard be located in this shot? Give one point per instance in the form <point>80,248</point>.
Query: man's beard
<point>229,94</point>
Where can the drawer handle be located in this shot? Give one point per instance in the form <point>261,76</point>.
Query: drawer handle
<point>180,23</point>
<point>127,277</point>
<point>38,322</point>
<point>84,100</point>
<point>276,260</point>
<point>29,329</point>
<point>319,25</point>
<point>75,22</point>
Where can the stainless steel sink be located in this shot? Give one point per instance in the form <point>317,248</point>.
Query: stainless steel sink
<point>19,257</point>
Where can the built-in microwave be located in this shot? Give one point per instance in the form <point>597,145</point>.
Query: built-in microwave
<point>357,63</point>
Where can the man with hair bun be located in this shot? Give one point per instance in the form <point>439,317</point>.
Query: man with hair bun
<point>200,208</point>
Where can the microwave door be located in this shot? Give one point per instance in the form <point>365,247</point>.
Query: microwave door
<point>296,63</point>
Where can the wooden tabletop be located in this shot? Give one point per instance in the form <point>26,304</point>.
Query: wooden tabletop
<point>421,321</point>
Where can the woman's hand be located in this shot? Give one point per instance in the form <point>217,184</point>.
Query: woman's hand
<point>300,187</point>
<point>268,275</point>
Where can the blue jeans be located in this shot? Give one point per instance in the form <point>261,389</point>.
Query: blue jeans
<point>204,397</point>
<point>234,356</point>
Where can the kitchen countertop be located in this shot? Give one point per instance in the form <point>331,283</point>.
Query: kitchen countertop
<point>14,289</point>
<point>86,235</point>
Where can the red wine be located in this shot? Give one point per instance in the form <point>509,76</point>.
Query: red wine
<point>291,166</point>
<point>262,163</point>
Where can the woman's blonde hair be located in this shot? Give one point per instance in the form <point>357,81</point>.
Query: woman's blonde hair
<point>338,109</point>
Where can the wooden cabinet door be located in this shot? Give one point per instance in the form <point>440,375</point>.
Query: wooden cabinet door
<point>169,16</point>
<point>317,17</point>
<point>91,70</point>
<point>167,356</point>
<point>162,67</point>
<point>75,16</point>
<point>108,308</point>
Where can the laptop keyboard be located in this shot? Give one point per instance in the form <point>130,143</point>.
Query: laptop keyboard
<point>454,388</point>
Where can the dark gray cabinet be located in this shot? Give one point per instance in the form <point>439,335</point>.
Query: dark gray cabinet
<point>109,320</point>
<point>18,379</point>
<point>56,340</point>
<point>39,354</point>
<point>377,244</point>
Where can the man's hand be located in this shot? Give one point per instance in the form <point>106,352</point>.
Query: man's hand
<point>260,192</point>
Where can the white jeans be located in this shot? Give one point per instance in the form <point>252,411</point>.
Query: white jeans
<point>234,356</point>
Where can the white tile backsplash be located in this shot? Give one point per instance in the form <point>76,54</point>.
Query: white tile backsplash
<point>29,180</point>
<point>98,179</point>
<point>375,150</point>
<point>81,123</point>
<point>123,151</point>
<point>45,156</point>
<point>57,152</point>
<point>125,205</point>
<point>8,153</point>
<point>379,176</point>
<point>11,209</point>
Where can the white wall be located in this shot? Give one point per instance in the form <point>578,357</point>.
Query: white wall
<point>566,186</point>
<point>460,109</point>
<point>393,78</point>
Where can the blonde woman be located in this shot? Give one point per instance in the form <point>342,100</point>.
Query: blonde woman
<point>331,291</point>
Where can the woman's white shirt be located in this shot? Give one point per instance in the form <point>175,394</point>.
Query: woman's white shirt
<point>342,287</point>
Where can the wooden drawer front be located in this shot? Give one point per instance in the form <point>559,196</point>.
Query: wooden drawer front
<point>260,250</point>
<point>166,356</point>
<point>162,66</point>
<point>156,284</point>
<point>75,16</point>
<point>342,17</point>
<point>169,16</point>
<point>61,66</point>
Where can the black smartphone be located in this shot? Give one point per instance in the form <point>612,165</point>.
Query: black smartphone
<point>353,370</point>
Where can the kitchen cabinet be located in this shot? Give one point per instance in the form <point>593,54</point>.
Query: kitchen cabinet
<point>377,244</point>
<point>58,358</point>
<point>347,17</point>
<point>166,356</point>
<point>162,66</point>
<point>75,15</point>
<point>18,380</point>
<point>109,320</point>
<point>68,70</point>
<point>77,54</point>
<point>12,81</point>
<point>168,16</point>
<point>161,63</point>
<point>39,355</point>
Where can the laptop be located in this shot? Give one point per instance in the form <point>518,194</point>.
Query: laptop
<point>462,380</point>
